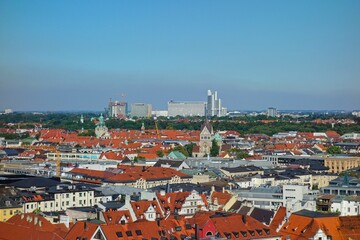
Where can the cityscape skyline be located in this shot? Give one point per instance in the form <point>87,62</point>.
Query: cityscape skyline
<point>306,56</point>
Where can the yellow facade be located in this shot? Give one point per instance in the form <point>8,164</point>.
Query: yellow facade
<point>6,213</point>
<point>340,164</point>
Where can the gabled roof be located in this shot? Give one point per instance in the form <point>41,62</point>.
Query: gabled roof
<point>114,217</point>
<point>31,226</point>
<point>81,230</point>
<point>222,197</point>
<point>171,163</point>
<point>140,207</point>
<point>278,218</point>
<point>235,226</point>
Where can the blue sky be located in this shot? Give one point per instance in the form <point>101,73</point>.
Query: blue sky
<point>75,55</point>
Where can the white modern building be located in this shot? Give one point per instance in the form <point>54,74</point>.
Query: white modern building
<point>293,197</point>
<point>214,105</point>
<point>272,112</point>
<point>188,108</point>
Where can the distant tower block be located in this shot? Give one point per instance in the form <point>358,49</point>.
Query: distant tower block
<point>214,105</point>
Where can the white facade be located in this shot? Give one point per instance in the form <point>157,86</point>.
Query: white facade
<point>186,109</point>
<point>346,207</point>
<point>141,110</point>
<point>352,136</point>
<point>214,105</point>
<point>61,201</point>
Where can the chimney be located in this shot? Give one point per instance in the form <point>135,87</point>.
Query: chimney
<point>167,188</point>
<point>212,188</point>
<point>197,232</point>
<point>35,220</point>
<point>85,226</point>
<point>223,189</point>
<point>243,218</point>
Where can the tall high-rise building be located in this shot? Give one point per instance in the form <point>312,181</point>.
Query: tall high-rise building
<point>272,112</point>
<point>214,105</point>
<point>141,110</point>
<point>117,109</point>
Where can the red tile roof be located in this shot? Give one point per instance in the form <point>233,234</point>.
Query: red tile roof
<point>31,226</point>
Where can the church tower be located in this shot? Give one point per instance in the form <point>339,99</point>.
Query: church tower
<point>101,131</point>
<point>206,137</point>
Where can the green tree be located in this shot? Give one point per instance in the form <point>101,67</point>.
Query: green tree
<point>181,149</point>
<point>214,149</point>
<point>189,148</point>
<point>242,154</point>
<point>159,153</point>
<point>334,150</point>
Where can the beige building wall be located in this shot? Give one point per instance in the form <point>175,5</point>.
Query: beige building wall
<point>322,180</point>
<point>340,164</point>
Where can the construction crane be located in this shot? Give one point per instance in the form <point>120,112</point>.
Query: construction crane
<point>156,128</point>
<point>58,161</point>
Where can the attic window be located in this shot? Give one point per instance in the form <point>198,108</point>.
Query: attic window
<point>228,235</point>
<point>119,234</point>
<point>236,234</point>
<point>252,233</point>
<point>178,228</point>
<point>267,231</point>
<point>154,206</point>
<point>138,232</point>
<point>129,233</point>
<point>259,232</point>
<point>243,233</point>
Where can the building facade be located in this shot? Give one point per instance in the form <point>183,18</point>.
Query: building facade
<point>341,164</point>
<point>141,110</point>
<point>186,109</point>
<point>117,109</point>
<point>272,112</point>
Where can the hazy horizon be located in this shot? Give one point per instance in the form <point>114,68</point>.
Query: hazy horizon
<point>75,55</point>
